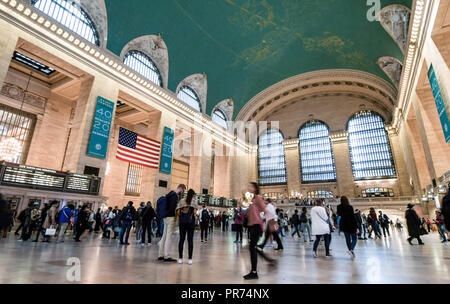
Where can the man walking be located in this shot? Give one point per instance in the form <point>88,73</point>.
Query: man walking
<point>204,224</point>
<point>64,221</point>
<point>126,218</point>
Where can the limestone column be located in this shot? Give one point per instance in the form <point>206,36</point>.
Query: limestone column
<point>159,122</point>
<point>399,162</point>
<point>424,138</point>
<point>222,171</point>
<point>344,172</point>
<point>292,157</point>
<point>76,157</point>
<point>8,43</point>
<point>244,169</point>
<point>200,161</point>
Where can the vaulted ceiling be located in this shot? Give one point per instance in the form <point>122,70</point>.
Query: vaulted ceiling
<point>245,46</point>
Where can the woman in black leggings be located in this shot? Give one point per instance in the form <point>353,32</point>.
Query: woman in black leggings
<point>255,229</point>
<point>186,214</point>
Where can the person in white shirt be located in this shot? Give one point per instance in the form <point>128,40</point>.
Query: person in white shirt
<point>271,226</point>
<point>320,227</point>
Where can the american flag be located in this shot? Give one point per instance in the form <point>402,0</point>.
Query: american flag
<point>138,149</point>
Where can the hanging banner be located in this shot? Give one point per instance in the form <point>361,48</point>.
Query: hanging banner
<point>98,143</point>
<point>440,105</point>
<point>166,151</point>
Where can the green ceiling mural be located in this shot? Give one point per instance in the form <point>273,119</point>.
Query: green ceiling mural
<point>245,46</point>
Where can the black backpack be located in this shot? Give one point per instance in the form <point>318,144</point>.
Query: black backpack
<point>205,216</point>
<point>187,218</point>
<point>303,218</point>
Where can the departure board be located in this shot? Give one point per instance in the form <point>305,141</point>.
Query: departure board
<point>15,175</point>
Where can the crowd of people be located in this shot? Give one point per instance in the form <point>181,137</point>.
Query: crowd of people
<point>261,222</point>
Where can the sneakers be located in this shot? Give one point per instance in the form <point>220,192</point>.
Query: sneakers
<point>190,262</point>
<point>315,254</point>
<point>351,254</point>
<point>180,261</point>
<point>161,259</point>
<point>251,276</point>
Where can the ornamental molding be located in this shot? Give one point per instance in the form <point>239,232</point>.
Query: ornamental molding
<point>319,82</point>
<point>392,67</point>
<point>339,136</point>
<point>395,20</point>
<point>17,93</point>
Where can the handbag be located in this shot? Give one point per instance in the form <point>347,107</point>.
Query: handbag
<point>50,231</point>
<point>273,226</point>
<point>423,231</point>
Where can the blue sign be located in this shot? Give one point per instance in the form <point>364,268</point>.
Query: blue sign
<point>167,151</point>
<point>98,143</point>
<point>440,105</point>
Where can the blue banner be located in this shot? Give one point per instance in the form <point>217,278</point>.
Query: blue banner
<point>440,105</point>
<point>167,151</point>
<point>98,143</point>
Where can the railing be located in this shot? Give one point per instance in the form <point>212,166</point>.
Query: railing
<point>15,175</point>
<point>355,201</point>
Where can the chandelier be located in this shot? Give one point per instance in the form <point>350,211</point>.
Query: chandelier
<point>10,149</point>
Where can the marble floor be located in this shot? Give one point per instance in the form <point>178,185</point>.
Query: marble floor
<point>390,260</point>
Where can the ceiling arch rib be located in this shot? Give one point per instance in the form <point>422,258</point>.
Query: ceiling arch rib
<point>321,83</point>
<point>199,83</point>
<point>155,48</point>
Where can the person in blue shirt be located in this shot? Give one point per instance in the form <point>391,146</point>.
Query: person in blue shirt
<point>64,220</point>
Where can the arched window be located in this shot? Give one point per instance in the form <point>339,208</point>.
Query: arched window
<point>316,154</point>
<point>370,150</point>
<point>220,118</point>
<point>189,97</point>
<point>143,65</point>
<point>271,160</point>
<point>71,15</point>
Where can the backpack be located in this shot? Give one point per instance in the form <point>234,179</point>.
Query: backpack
<point>205,216</point>
<point>129,215</point>
<point>161,207</point>
<point>187,218</point>
<point>303,218</point>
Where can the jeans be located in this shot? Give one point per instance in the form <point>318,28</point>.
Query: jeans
<point>386,229</point>
<point>296,230</point>
<point>164,245</point>
<point>204,230</point>
<point>255,233</point>
<point>376,229</point>
<point>351,239</point>
<point>362,229</point>
<point>186,229</point>
<point>62,231</point>
<point>304,227</point>
<point>125,228</point>
<point>239,230</point>
<point>276,237</point>
<point>327,238</point>
<point>441,229</point>
<point>146,228</point>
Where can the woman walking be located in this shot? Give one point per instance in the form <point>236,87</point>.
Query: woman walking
<point>320,227</point>
<point>272,226</point>
<point>255,228</point>
<point>373,222</point>
<point>238,220</point>
<point>414,225</point>
<point>348,225</point>
<point>186,213</point>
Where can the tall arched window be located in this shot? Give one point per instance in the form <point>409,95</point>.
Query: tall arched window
<point>71,15</point>
<point>219,117</point>
<point>143,65</point>
<point>271,160</point>
<point>189,97</point>
<point>370,150</point>
<point>316,153</point>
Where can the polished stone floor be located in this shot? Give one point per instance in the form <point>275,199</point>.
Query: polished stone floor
<point>390,260</point>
